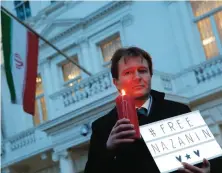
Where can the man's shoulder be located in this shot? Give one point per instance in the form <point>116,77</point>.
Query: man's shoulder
<point>176,108</point>
<point>174,103</point>
<point>107,120</point>
<point>159,97</point>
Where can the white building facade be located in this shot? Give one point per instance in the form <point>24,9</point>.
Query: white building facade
<point>183,38</point>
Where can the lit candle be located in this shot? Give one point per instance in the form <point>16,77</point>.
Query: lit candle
<point>126,109</point>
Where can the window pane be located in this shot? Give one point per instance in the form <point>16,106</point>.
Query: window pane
<point>43,106</point>
<point>201,7</point>
<point>72,83</point>
<point>27,9</point>
<point>36,119</point>
<point>70,71</point>
<point>22,9</point>
<point>20,13</point>
<point>108,48</point>
<point>218,19</point>
<point>39,87</point>
<point>17,3</point>
<point>207,37</point>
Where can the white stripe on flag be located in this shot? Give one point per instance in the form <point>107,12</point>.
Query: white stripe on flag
<point>18,58</point>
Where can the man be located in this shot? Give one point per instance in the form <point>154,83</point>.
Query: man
<point>113,148</point>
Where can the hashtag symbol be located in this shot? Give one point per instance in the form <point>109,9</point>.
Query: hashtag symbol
<point>152,132</point>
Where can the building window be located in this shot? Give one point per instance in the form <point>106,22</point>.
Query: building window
<point>207,18</point>
<point>23,10</point>
<point>40,106</point>
<point>218,19</point>
<point>109,46</point>
<point>71,73</point>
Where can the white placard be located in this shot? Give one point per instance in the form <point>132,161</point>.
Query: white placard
<point>184,138</point>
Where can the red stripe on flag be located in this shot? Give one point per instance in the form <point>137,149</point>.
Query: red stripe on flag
<point>31,74</point>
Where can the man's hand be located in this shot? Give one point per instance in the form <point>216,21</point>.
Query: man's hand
<point>122,132</point>
<point>193,169</point>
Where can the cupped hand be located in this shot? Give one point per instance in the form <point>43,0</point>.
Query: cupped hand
<point>122,132</point>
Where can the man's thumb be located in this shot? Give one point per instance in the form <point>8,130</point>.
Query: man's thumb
<point>206,163</point>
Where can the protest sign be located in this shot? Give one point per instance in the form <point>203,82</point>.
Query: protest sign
<point>184,138</point>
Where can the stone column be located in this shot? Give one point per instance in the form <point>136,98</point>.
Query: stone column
<point>66,164</point>
<point>179,32</point>
<point>96,61</point>
<point>85,57</point>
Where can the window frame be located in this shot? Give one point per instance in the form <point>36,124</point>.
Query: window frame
<point>56,69</point>
<point>101,35</point>
<point>22,4</point>
<point>60,64</point>
<point>104,41</point>
<point>215,32</point>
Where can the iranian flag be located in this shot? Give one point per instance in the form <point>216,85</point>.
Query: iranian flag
<point>20,50</point>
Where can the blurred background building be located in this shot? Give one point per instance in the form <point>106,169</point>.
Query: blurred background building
<point>183,38</point>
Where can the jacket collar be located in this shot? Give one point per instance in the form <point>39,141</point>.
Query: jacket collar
<point>157,95</point>
<point>156,107</point>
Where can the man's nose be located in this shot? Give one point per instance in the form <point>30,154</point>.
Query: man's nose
<point>136,75</point>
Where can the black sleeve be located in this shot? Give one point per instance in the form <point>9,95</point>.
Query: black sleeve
<point>186,109</point>
<point>216,165</point>
<point>100,159</point>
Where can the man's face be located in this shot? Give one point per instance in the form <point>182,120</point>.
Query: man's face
<point>134,77</point>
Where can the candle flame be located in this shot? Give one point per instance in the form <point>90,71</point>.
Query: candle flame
<point>123,92</point>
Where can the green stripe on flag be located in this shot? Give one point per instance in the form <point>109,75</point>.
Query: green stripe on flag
<point>6,43</point>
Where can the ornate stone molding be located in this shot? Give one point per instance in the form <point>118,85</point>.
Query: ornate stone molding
<point>53,24</point>
<point>22,139</point>
<point>127,20</point>
<point>208,70</point>
<point>46,11</point>
<point>89,19</point>
<point>87,111</point>
<point>44,59</point>
<point>213,61</point>
<point>169,2</point>
<point>57,155</point>
<point>82,40</point>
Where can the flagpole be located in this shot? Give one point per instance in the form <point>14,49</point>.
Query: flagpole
<point>41,37</point>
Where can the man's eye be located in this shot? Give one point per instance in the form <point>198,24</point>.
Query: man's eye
<point>143,71</point>
<point>128,73</point>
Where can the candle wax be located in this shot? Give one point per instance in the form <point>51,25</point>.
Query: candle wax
<point>126,109</point>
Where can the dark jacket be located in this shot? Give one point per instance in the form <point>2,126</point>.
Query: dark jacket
<point>134,157</point>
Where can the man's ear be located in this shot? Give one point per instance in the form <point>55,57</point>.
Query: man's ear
<point>115,82</point>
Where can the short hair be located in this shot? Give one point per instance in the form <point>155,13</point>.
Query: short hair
<point>129,52</point>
